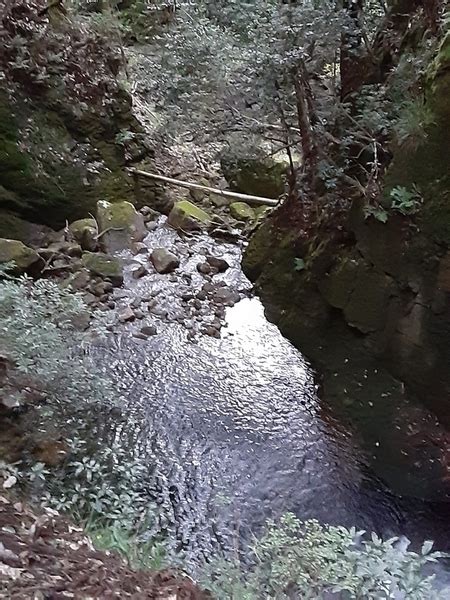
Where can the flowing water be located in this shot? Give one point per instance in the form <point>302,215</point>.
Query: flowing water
<point>233,429</point>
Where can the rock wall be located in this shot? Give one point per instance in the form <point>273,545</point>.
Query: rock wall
<point>371,294</point>
<point>67,130</point>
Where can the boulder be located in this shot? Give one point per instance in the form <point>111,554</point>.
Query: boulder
<point>103,265</point>
<point>16,252</point>
<point>242,211</point>
<point>84,231</point>
<point>186,216</point>
<point>163,260</point>
<point>120,225</point>
<point>257,176</point>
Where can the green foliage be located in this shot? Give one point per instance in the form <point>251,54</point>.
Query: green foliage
<point>43,345</point>
<point>414,119</point>
<point>377,212</point>
<point>307,560</point>
<point>139,554</point>
<point>299,264</point>
<point>405,201</point>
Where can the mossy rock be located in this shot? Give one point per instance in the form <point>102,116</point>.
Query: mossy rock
<point>242,211</point>
<point>254,176</point>
<point>16,252</point>
<point>187,216</point>
<point>84,231</point>
<point>120,225</point>
<point>103,265</point>
<point>54,176</point>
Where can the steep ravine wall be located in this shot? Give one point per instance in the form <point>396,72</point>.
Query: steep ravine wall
<point>67,129</point>
<point>374,293</point>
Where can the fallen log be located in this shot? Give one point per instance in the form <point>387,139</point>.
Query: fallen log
<point>210,190</point>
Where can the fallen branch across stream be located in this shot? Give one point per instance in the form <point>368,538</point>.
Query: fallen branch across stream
<point>210,190</point>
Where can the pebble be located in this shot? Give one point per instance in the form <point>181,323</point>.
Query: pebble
<point>89,298</point>
<point>201,295</point>
<point>204,268</point>
<point>211,331</point>
<point>136,302</point>
<point>139,335</point>
<point>139,314</point>
<point>139,248</point>
<point>127,315</point>
<point>149,330</point>
<point>208,287</point>
<point>139,272</point>
<point>218,263</point>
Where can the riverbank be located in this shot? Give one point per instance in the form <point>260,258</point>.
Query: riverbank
<point>42,554</point>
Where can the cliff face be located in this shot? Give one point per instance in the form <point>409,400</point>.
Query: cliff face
<point>373,291</point>
<point>66,125</point>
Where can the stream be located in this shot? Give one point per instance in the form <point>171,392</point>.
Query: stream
<point>233,430</point>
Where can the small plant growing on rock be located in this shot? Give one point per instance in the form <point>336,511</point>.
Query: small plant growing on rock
<point>405,201</point>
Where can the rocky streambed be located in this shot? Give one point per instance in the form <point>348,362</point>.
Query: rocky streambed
<point>227,414</point>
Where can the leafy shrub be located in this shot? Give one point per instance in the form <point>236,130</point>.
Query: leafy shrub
<point>306,560</point>
<point>43,346</point>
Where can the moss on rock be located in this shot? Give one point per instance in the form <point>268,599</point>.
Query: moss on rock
<point>242,211</point>
<point>187,216</point>
<point>255,176</point>
<point>23,257</point>
<point>103,265</point>
<point>84,231</point>
<point>120,225</point>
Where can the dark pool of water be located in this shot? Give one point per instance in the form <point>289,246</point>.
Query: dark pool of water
<point>233,430</point>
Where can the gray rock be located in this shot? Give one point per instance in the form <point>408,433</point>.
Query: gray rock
<point>101,288</point>
<point>151,225</point>
<point>79,280</point>
<point>225,295</point>
<point>89,298</point>
<point>139,272</point>
<point>201,295</point>
<point>139,335</point>
<point>136,302</point>
<point>139,314</point>
<point>104,266</point>
<point>218,263</point>
<point>204,268</point>
<point>208,287</point>
<point>163,260</point>
<point>84,231</point>
<point>121,223</point>
<point>16,252</point>
<point>211,331</point>
<point>139,248</point>
<point>148,330</point>
<point>127,315</point>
